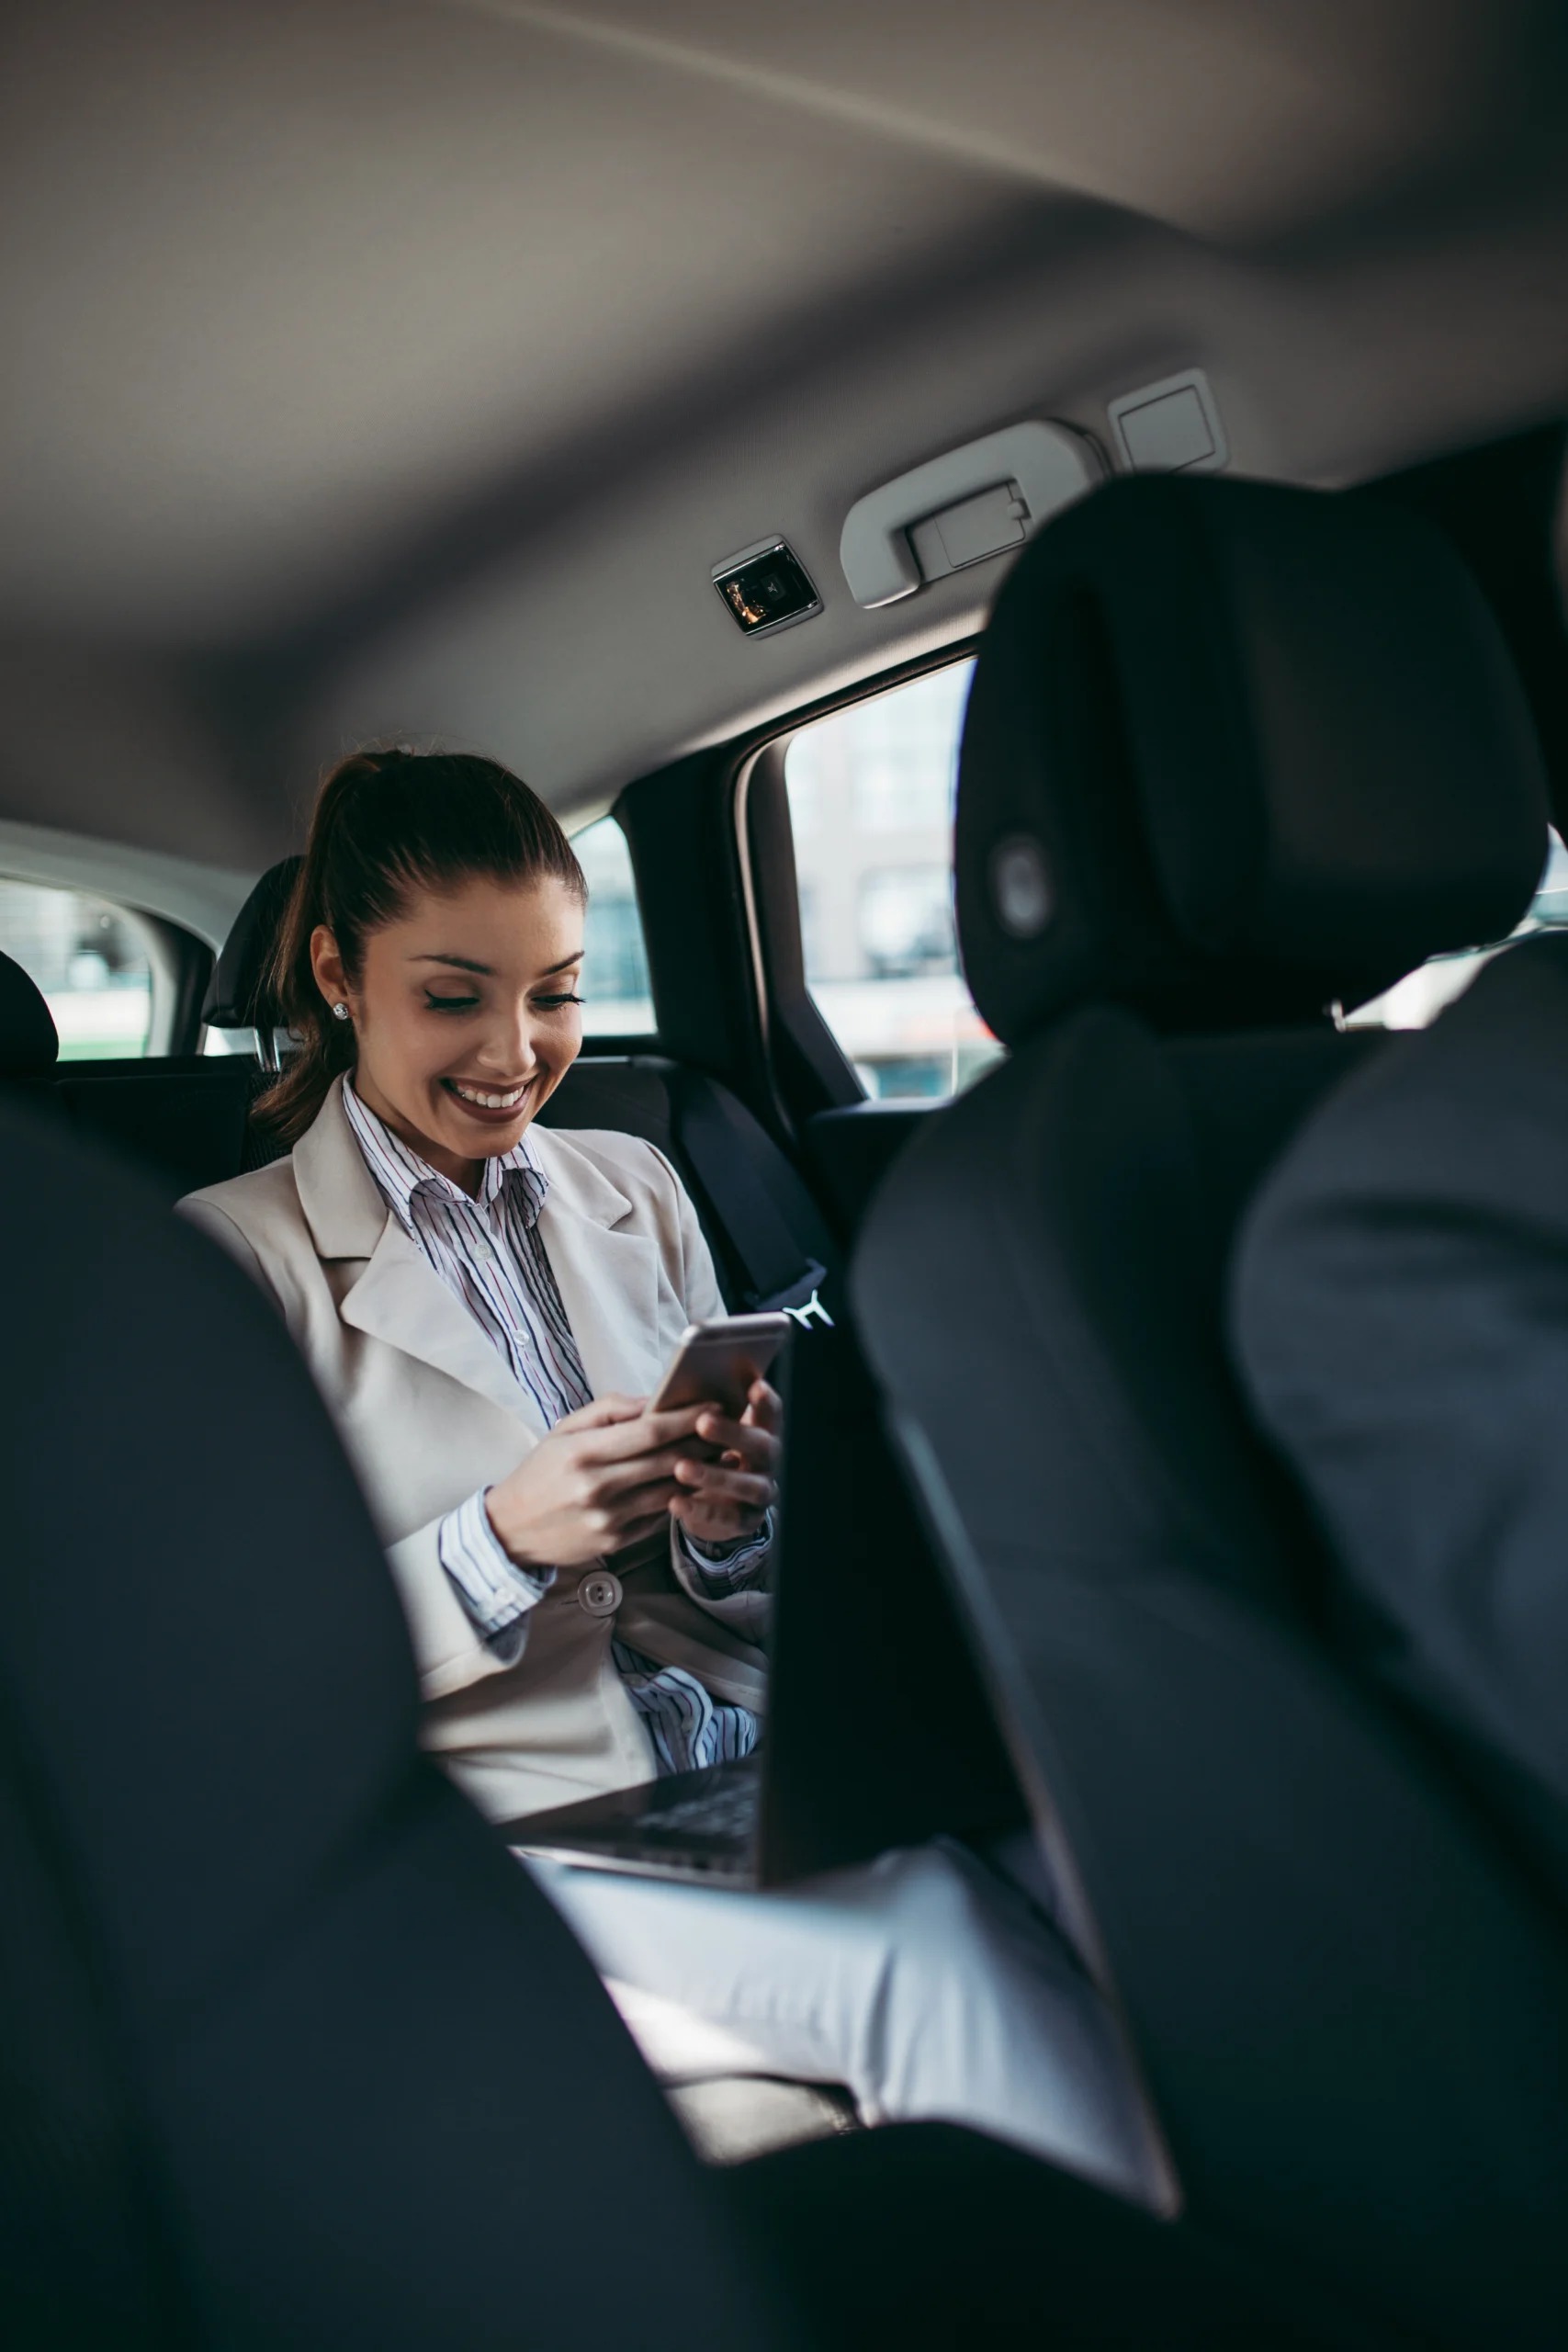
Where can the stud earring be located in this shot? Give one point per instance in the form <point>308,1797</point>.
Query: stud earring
<point>341,1012</point>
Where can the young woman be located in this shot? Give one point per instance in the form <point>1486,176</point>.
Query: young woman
<point>486,1306</point>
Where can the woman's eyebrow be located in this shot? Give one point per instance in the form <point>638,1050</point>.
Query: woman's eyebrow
<point>465,964</point>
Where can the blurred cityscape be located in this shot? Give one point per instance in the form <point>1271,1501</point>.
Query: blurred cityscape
<point>617,997</point>
<point>90,964</point>
<point>870,796</point>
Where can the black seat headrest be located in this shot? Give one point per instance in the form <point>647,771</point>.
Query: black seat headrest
<point>29,1042</point>
<point>239,995</point>
<point>1233,751</point>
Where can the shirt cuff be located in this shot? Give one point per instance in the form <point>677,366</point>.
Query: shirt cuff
<point>494,1590</point>
<point>719,1569</point>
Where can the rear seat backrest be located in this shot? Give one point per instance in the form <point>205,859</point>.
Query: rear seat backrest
<point>184,1117</point>
<point>1233,751</point>
<point>30,1044</point>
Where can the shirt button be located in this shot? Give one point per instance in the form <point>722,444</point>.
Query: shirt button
<point>600,1593</point>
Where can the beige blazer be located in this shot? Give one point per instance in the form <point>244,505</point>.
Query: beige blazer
<point>430,1412</point>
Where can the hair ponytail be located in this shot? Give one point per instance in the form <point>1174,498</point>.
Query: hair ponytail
<point>387,824</point>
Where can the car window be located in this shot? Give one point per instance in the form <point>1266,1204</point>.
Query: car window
<point>618,999</point>
<point>871,792</point>
<point>89,959</point>
<point>1418,998</point>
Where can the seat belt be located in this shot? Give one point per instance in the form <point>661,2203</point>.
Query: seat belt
<point>778,1274</point>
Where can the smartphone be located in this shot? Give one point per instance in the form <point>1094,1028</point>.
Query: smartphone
<point>716,1363</point>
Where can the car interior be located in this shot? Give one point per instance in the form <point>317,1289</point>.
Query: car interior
<point>1026,547</point>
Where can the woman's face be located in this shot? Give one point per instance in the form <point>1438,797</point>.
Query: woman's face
<point>465,1017</point>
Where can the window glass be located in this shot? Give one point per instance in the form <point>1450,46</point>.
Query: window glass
<point>1418,998</point>
<point>871,793</point>
<point>616,998</point>
<point>89,961</point>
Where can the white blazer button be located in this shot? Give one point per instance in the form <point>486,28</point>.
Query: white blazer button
<point>600,1593</point>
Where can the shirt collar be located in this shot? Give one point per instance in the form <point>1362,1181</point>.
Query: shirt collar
<point>403,1177</point>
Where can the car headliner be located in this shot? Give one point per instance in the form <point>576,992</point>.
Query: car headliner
<point>381,366</point>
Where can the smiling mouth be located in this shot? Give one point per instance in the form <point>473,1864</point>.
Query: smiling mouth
<point>485,1098</point>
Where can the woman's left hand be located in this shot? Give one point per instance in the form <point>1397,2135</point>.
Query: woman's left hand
<point>728,1499</point>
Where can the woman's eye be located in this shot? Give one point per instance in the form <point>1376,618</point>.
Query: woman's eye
<point>449,1003</point>
<point>552,1003</point>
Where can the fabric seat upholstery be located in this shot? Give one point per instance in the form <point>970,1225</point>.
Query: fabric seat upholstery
<point>183,1117</point>
<point>292,2051</point>
<point>348,2079</point>
<point>29,1043</point>
<point>1232,751</point>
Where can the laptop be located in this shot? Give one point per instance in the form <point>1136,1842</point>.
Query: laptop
<point>879,1732</point>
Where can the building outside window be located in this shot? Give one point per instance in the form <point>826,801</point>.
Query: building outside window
<point>87,959</point>
<point>618,997</point>
<point>871,793</point>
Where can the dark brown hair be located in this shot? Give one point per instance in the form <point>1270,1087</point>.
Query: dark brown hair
<point>387,824</point>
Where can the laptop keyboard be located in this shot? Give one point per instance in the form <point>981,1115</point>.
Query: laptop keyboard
<point>727,1811</point>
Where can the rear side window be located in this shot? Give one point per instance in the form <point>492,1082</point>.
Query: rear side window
<point>618,999</point>
<point>89,960</point>
<point>871,794</point>
<point>1418,998</point>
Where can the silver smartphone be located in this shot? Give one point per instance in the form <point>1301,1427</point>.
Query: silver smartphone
<point>716,1363</point>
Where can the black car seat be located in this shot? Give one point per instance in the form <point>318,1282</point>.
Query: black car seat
<point>29,1043</point>
<point>239,995</point>
<point>1232,753</point>
<point>770,1244</point>
<point>182,1118</point>
<point>292,2051</point>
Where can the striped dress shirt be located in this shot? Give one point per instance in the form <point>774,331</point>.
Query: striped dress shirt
<point>490,1256</point>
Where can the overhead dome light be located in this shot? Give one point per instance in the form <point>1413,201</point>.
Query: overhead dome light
<point>1171,427</point>
<point>766,587</point>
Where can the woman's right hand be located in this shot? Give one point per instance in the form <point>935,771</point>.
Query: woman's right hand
<point>601,1478</point>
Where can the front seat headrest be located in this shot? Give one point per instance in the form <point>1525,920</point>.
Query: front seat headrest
<point>1233,751</point>
<point>239,995</point>
<point>29,1042</point>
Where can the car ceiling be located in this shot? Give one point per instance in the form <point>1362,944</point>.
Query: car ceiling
<point>403,367</point>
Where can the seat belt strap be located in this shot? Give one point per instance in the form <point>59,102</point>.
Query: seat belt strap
<point>777,1272</point>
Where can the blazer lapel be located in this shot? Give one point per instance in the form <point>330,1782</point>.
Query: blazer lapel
<point>399,1297</point>
<point>607,1276</point>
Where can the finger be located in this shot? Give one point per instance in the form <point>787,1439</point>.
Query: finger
<point>641,1505</point>
<point>601,1411</point>
<point>640,1433</point>
<point>712,1483</point>
<point>681,1420</point>
<point>764,1406</point>
<point>610,1481</point>
<point>755,1445</point>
